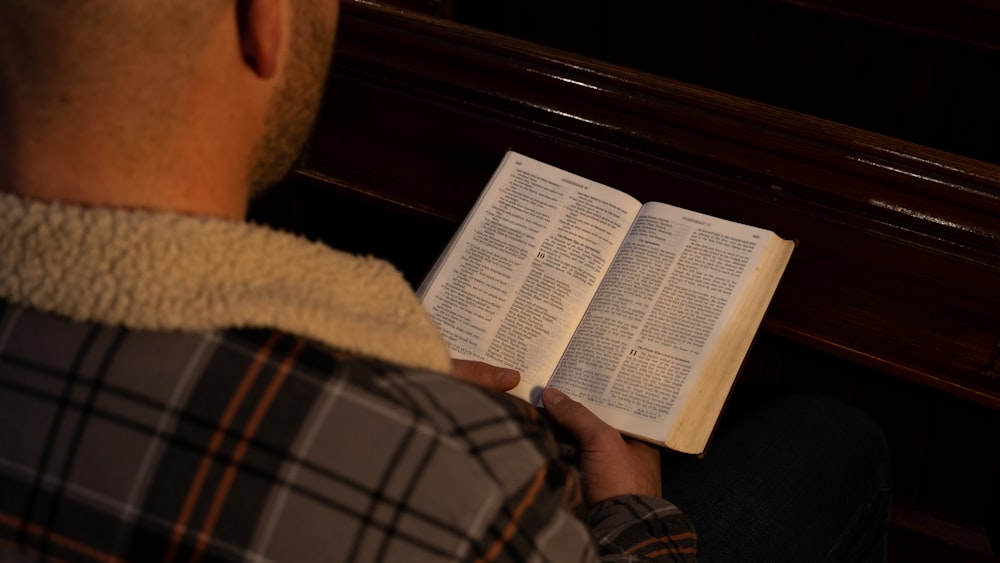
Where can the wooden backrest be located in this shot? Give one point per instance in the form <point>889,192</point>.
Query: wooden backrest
<point>921,71</point>
<point>898,263</point>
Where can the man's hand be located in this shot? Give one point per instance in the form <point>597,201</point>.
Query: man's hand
<point>485,375</point>
<point>610,465</point>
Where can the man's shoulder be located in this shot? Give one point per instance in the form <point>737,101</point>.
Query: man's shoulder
<point>398,458</point>
<point>377,394</point>
<point>201,372</point>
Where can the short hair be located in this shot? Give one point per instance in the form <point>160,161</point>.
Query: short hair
<point>47,44</point>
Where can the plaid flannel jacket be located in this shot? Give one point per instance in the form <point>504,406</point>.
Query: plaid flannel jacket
<point>122,445</point>
<point>136,424</point>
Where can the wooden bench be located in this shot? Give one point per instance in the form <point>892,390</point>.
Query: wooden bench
<point>892,300</point>
<point>921,71</point>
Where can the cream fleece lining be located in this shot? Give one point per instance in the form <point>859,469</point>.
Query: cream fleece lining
<point>160,271</point>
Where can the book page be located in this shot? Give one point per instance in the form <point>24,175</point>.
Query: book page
<point>517,277</point>
<point>659,311</point>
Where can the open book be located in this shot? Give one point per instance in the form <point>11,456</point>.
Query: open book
<point>643,312</point>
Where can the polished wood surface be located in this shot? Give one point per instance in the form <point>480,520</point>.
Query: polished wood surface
<point>899,245</point>
<point>921,71</point>
<point>891,297</point>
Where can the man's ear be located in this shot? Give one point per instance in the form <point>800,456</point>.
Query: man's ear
<point>260,28</point>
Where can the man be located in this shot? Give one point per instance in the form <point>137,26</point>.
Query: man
<point>176,385</point>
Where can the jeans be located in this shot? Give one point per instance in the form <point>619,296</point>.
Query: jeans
<point>793,478</point>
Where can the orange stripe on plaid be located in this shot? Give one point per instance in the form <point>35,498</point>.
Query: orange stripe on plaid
<point>655,554</point>
<point>241,448</point>
<point>676,538</point>
<point>215,442</point>
<point>71,544</point>
<point>497,548</point>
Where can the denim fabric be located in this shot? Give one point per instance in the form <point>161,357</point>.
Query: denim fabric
<point>796,478</point>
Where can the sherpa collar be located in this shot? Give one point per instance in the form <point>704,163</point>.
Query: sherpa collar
<point>161,271</point>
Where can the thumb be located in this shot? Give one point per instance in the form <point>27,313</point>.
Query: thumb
<point>584,425</point>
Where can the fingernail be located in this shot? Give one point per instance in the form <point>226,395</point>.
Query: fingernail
<point>507,377</point>
<point>555,396</point>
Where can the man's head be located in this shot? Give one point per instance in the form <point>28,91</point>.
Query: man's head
<point>175,104</point>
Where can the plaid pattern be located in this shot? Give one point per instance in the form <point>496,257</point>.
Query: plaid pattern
<point>123,445</point>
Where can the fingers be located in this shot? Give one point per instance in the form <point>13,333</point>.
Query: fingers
<point>609,465</point>
<point>485,375</point>
<point>573,416</point>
